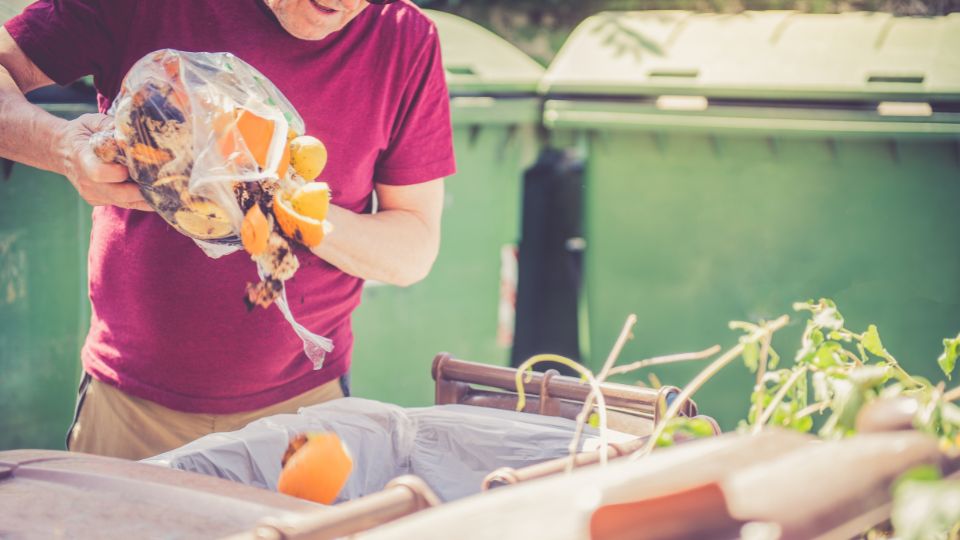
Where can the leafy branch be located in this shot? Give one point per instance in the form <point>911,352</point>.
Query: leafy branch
<point>846,370</point>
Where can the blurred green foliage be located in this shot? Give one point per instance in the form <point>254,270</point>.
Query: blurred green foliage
<point>572,7</point>
<point>539,27</point>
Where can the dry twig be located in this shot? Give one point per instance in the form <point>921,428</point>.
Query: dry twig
<point>703,377</point>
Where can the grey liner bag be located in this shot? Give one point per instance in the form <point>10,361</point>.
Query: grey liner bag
<point>451,447</point>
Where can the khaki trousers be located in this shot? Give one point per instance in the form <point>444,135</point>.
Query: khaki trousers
<point>110,422</point>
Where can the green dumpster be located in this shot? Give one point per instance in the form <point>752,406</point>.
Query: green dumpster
<point>44,310</point>
<point>465,305</point>
<point>739,163</point>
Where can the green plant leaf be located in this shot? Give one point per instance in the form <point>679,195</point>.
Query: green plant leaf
<point>821,388</point>
<point>828,355</point>
<point>699,427</point>
<point>950,417</point>
<point>871,341</point>
<point>800,392</point>
<point>758,401</point>
<point>892,390</point>
<point>817,337</point>
<point>682,428</point>
<point>807,347</point>
<point>665,440</point>
<point>782,415</point>
<point>848,410</point>
<point>803,425</point>
<point>751,355</point>
<point>774,359</point>
<point>920,473</point>
<point>948,360</point>
<point>847,400</point>
<point>827,316</point>
<point>839,336</point>
<point>925,509</point>
<point>868,377</point>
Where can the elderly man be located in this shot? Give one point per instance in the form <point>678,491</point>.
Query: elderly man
<point>172,353</point>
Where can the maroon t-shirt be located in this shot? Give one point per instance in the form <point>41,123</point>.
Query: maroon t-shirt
<point>169,324</point>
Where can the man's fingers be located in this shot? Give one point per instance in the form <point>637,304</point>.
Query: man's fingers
<point>126,194</point>
<point>104,123</point>
<point>142,206</point>
<point>102,172</point>
<point>96,122</point>
<point>112,173</point>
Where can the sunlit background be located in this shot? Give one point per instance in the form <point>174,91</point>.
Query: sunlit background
<point>692,162</point>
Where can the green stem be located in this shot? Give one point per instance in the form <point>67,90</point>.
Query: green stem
<point>903,373</point>
<point>759,388</point>
<point>666,359</point>
<point>815,408</point>
<point>778,397</point>
<point>850,355</point>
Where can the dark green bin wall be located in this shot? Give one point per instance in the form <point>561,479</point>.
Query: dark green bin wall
<point>457,308</point>
<point>44,310</point>
<point>695,230</point>
<point>466,305</point>
<point>739,163</point>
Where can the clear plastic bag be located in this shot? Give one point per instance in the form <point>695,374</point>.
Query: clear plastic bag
<point>207,138</point>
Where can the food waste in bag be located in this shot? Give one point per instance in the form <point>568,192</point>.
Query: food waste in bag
<point>222,156</point>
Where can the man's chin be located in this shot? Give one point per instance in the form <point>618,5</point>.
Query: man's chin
<point>310,34</point>
<point>313,37</point>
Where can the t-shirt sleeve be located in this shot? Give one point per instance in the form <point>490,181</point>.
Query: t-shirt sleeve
<point>421,141</point>
<point>68,39</point>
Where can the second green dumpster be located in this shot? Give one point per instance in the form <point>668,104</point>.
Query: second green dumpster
<point>738,163</point>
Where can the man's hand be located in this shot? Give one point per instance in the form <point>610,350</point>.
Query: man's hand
<point>98,182</point>
<point>37,138</point>
<point>396,245</point>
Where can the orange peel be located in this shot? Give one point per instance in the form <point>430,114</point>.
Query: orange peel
<point>255,231</point>
<point>316,466</point>
<point>301,215</point>
<point>255,131</point>
<point>312,200</point>
<point>303,229</point>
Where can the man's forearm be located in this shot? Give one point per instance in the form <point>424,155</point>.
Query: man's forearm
<point>28,134</point>
<point>393,246</point>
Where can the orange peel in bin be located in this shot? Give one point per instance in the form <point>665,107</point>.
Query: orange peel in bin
<point>316,466</point>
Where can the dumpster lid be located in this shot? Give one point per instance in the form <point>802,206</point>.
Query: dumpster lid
<point>46,493</point>
<point>760,55</point>
<point>11,8</point>
<point>477,61</point>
